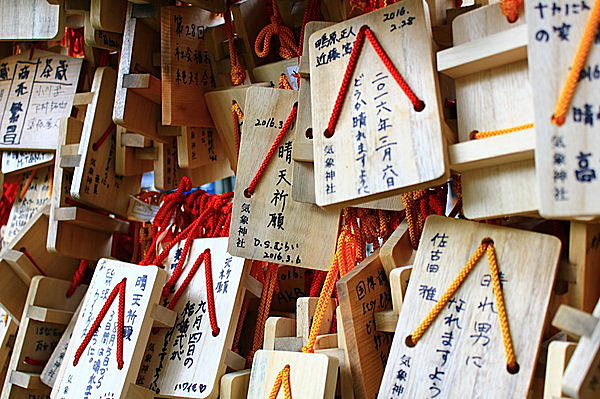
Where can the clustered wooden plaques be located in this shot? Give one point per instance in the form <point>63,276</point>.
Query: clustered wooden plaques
<point>97,93</point>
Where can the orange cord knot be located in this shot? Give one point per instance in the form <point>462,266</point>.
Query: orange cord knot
<point>510,9</point>
<point>287,46</point>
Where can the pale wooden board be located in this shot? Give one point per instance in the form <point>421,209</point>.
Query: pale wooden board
<point>132,109</point>
<point>270,73</point>
<point>108,15</point>
<point>13,291</point>
<point>412,140</point>
<point>262,228</point>
<point>362,292</point>
<point>167,172</point>
<point>55,362</point>
<point>345,379</point>
<point>32,239</point>
<point>195,146</point>
<point>504,87</point>
<point>36,94</point>
<point>397,251</point>
<point>584,248</point>
<point>98,38</point>
<point>72,380</point>
<point>559,354</point>
<point>291,287</point>
<point>39,334</point>
<point>22,161</point>
<point>37,195</point>
<point>219,104</point>
<point>528,262</point>
<point>312,375</point>
<point>94,179</point>
<point>249,17</point>
<point>187,360</point>
<point>399,278</point>
<point>185,65</point>
<point>582,376</point>
<point>72,231</point>
<point>234,385</point>
<point>8,332</point>
<point>31,20</point>
<point>126,162</point>
<point>550,63</point>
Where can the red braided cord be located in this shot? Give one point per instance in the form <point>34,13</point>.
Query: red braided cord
<point>104,136</point>
<point>24,251</point>
<point>365,31</point>
<point>34,362</point>
<point>286,126</point>
<point>184,253</point>
<point>77,277</point>
<point>119,289</point>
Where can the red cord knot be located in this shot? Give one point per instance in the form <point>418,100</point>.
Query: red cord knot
<point>473,134</point>
<point>558,121</point>
<point>487,241</point>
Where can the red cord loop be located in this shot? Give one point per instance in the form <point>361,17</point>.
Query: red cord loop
<point>37,266</point>
<point>366,32</point>
<point>248,192</point>
<point>104,136</point>
<point>119,289</point>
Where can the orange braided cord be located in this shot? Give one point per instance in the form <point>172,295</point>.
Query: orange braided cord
<point>264,307</point>
<point>282,377</point>
<point>568,90</point>
<point>237,115</point>
<point>413,216</point>
<point>287,46</point>
<point>475,135</point>
<point>454,286</point>
<point>284,83</point>
<point>511,359</point>
<point>238,72</point>
<point>510,9</point>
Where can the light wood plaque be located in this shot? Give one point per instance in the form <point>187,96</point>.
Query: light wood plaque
<point>142,293</point>
<point>23,161</point>
<point>468,328</point>
<point>32,20</point>
<point>381,145</point>
<point>566,156</point>
<point>271,226</point>
<point>187,360</point>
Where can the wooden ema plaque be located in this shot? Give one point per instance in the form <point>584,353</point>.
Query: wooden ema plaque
<point>44,319</point>
<point>8,332</point>
<point>74,231</point>
<point>37,93</point>
<point>138,95</point>
<point>168,173</point>
<point>312,375</point>
<point>270,226</point>
<point>462,354</point>
<point>565,156</point>
<point>37,195</point>
<point>219,104</point>
<point>196,147</point>
<point>362,292</point>
<point>271,73</point>
<point>108,15</point>
<point>27,253</point>
<point>23,161</point>
<point>381,145</point>
<point>582,376</point>
<point>32,20</point>
<point>55,362</point>
<point>489,66</point>
<point>559,354</point>
<point>94,37</point>
<point>94,178</point>
<point>97,373</point>
<point>185,66</point>
<point>187,360</point>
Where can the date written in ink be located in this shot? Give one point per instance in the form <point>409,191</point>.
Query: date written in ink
<point>271,122</point>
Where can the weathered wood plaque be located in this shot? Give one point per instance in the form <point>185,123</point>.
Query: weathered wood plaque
<point>362,292</point>
<point>185,65</point>
<point>98,362</point>
<point>44,319</point>
<point>312,375</point>
<point>36,94</point>
<point>566,156</point>
<point>196,147</point>
<point>22,161</point>
<point>270,225</point>
<point>187,360</point>
<point>95,181</point>
<point>31,20</point>
<point>381,145</point>
<point>462,354</point>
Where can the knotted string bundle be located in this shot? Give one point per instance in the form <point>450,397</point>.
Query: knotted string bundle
<point>287,45</point>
